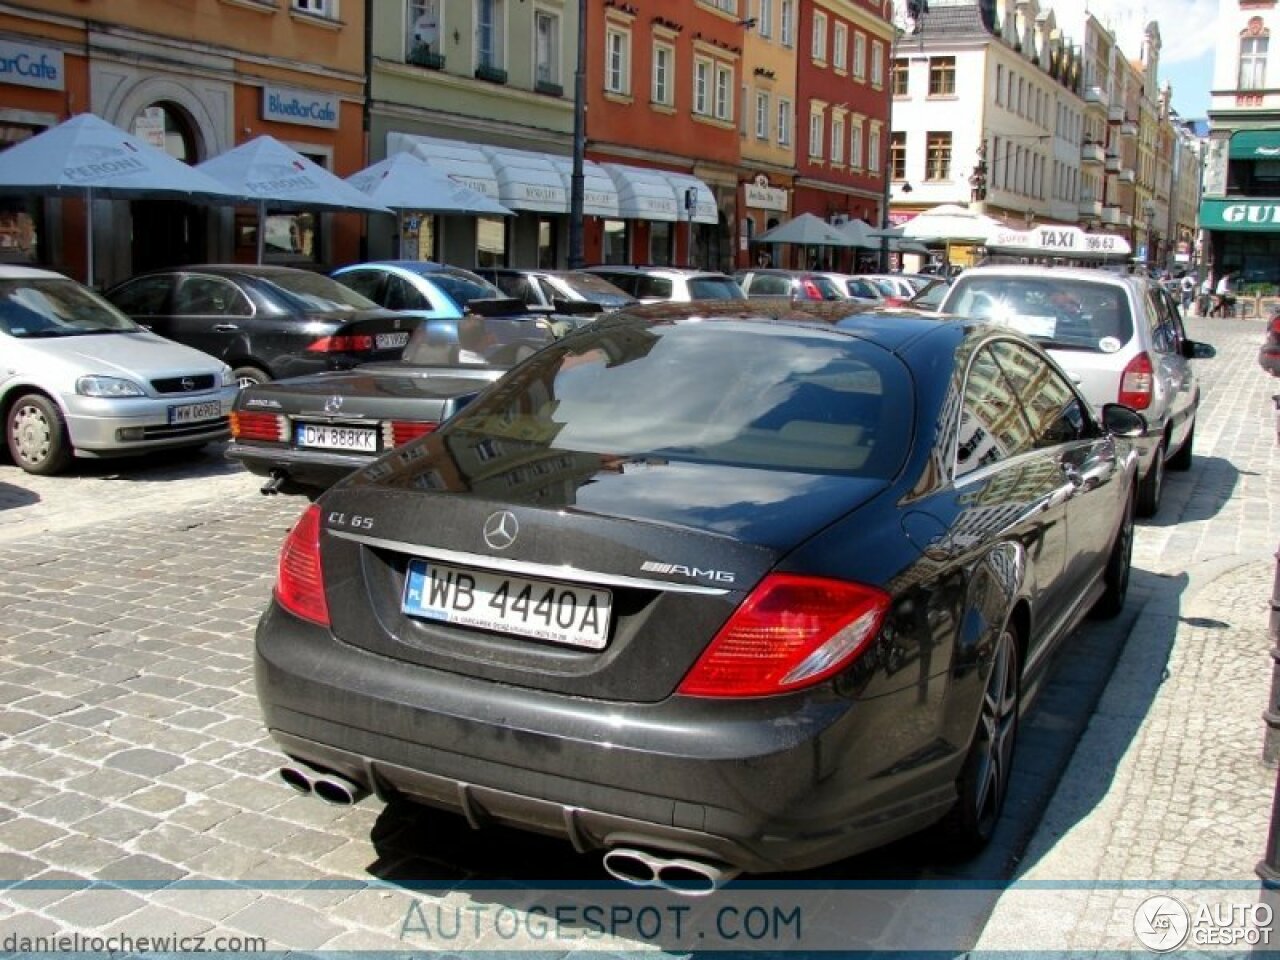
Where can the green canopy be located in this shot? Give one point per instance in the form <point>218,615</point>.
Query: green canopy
<point>1255,145</point>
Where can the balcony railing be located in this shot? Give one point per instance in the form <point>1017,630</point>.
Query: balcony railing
<point>1111,214</point>
<point>1115,113</point>
<point>1128,129</point>
<point>1127,175</point>
<point>1092,153</point>
<point>1095,96</point>
<point>423,56</point>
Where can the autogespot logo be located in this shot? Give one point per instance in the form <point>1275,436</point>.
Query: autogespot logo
<point>1161,923</point>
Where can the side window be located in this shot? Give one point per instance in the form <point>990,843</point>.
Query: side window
<point>1164,333</point>
<point>210,297</point>
<point>654,288</point>
<point>367,283</point>
<point>402,295</point>
<point>144,297</point>
<point>992,427</point>
<point>544,293</point>
<point>1051,406</point>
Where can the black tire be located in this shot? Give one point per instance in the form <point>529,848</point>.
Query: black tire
<point>1151,487</point>
<point>983,784</point>
<point>1116,576</point>
<point>1182,459</point>
<point>248,376</point>
<point>37,435</point>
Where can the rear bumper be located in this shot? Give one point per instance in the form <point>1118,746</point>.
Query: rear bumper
<point>310,468</point>
<point>770,784</point>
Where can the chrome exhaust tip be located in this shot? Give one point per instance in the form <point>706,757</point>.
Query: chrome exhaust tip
<point>683,875</point>
<point>328,786</point>
<point>298,778</point>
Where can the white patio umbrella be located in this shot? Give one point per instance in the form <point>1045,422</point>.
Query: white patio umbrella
<point>950,223</point>
<point>403,182</point>
<point>90,158</point>
<point>271,173</point>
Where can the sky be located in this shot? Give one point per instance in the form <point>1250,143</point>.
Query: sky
<point>1187,38</point>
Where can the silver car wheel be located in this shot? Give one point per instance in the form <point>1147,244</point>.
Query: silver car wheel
<point>32,435</point>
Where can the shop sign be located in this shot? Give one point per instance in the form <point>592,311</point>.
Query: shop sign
<point>761,196</point>
<point>1261,216</point>
<point>300,106</point>
<point>29,65</point>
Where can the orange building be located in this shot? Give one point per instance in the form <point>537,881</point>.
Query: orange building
<point>196,83</point>
<point>663,104</point>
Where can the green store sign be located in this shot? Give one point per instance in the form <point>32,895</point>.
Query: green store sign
<point>1255,215</point>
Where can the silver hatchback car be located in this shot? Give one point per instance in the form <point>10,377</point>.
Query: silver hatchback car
<point>1119,336</point>
<point>79,378</point>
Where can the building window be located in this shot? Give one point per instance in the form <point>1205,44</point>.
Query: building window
<point>617,56</point>
<point>938,157</point>
<point>877,64</point>
<point>999,85</point>
<point>898,155</point>
<point>837,140</point>
<point>855,143</point>
<point>661,237</point>
<point>320,8</point>
<point>859,56</point>
<point>819,51</point>
<point>491,242</point>
<point>701,87</point>
<point>901,77</point>
<point>489,41</point>
<point>724,93</point>
<point>664,59</point>
<point>424,33</point>
<point>1253,63</point>
<point>784,122</point>
<point>788,23</point>
<point>728,6</point>
<point>839,46</point>
<point>873,149</point>
<point>546,49</point>
<point>762,116</point>
<point>617,242</point>
<point>817,128</point>
<point>764,22</point>
<point>942,76</point>
<point>21,225</point>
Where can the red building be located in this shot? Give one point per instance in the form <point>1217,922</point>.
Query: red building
<point>842,117</point>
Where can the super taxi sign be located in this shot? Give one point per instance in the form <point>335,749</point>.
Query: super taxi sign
<point>1051,240</point>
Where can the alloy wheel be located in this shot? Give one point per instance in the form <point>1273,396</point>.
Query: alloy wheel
<point>996,730</point>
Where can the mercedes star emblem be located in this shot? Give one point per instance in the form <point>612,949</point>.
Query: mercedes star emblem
<point>333,404</point>
<point>500,530</point>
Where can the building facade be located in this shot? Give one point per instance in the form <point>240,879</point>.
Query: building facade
<point>1240,209</point>
<point>197,85</point>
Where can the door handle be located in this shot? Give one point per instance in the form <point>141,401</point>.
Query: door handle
<point>225,328</point>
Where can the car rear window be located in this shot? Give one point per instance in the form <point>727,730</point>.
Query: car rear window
<point>1068,313</point>
<point>462,289</point>
<point>714,288</point>
<point>318,292</point>
<point>733,393</point>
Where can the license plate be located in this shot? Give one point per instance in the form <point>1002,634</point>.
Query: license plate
<point>192,412</point>
<point>568,614</point>
<point>386,341</point>
<point>329,437</point>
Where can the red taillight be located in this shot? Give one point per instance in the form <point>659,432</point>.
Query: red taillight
<point>1275,326</point>
<point>257,426</point>
<point>398,432</point>
<point>791,632</point>
<point>362,343</point>
<point>1136,383</point>
<point>300,578</point>
<point>894,301</point>
<point>811,290</point>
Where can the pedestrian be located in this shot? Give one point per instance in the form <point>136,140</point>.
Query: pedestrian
<point>1188,287</point>
<point>1226,301</point>
<point>1206,294</point>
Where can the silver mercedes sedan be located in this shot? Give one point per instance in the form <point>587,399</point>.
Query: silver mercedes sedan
<point>80,379</point>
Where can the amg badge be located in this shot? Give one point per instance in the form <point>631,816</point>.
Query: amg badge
<point>719,576</point>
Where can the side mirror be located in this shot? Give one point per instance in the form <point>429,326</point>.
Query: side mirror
<point>1194,350</point>
<point>1122,421</point>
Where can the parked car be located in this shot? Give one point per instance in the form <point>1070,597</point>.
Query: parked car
<point>1269,355</point>
<point>929,297</point>
<point>557,289</point>
<point>895,288</point>
<point>266,322</point>
<point>566,609</point>
<point>795,284</point>
<point>1120,335</point>
<point>305,433</point>
<point>80,379</point>
<point>855,287</point>
<point>420,287</point>
<point>658,284</point>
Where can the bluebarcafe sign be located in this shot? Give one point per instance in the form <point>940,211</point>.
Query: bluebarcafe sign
<point>307,107</point>
<point>29,65</point>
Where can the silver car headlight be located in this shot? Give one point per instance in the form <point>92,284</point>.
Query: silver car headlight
<point>108,387</point>
<point>228,377</point>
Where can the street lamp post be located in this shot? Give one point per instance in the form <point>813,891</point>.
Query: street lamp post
<point>577,180</point>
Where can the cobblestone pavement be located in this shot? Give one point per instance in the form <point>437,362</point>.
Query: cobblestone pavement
<point>138,793</point>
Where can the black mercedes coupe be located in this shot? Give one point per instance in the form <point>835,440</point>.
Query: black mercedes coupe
<point>708,587</point>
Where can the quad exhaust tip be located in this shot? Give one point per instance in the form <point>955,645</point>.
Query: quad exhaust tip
<point>328,786</point>
<point>683,875</point>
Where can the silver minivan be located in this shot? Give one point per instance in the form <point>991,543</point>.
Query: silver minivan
<point>1119,336</point>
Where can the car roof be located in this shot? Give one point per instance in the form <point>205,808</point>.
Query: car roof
<point>655,271</point>
<point>413,266</point>
<point>16,272</point>
<point>1089,274</point>
<point>232,269</point>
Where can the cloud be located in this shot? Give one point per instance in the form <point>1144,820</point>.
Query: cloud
<point>1187,27</point>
